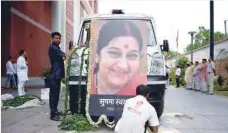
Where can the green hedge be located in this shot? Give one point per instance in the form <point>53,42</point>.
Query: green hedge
<point>182,62</point>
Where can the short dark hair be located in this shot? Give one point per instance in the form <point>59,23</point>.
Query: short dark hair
<point>205,60</point>
<point>21,52</point>
<point>197,62</point>
<point>191,63</point>
<point>142,90</point>
<point>53,34</point>
<point>10,57</point>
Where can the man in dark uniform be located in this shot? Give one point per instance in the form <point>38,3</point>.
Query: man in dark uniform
<point>57,72</point>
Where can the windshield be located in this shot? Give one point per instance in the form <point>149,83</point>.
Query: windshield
<point>84,38</point>
<point>84,34</point>
<point>151,40</point>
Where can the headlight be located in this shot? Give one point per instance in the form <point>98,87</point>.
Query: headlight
<point>75,65</point>
<point>157,65</point>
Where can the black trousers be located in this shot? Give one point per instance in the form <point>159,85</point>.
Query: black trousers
<point>54,95</point>
<point>74,99</point>
<point>178,81</point>
<point>16,78</point>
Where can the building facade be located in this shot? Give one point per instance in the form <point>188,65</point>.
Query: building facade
<point>28,24</point>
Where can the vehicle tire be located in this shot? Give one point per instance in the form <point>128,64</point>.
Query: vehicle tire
<point>159,108</point>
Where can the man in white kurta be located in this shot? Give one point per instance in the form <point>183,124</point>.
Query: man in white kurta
<point>196,80</point>
<point>137,111</point>
<point>186,78</point>
<point>211,75</point>
<point>22,72</point>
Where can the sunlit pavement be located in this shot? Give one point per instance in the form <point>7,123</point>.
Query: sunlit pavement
<point>185,112</point>
<point>194,112</point>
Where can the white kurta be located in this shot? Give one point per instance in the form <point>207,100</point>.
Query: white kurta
<point>196,80</point>
<point>186,78</point>
<point>22,74</point>
<point>211,76</point>
<point>186,75</point>
<point>137,111</point>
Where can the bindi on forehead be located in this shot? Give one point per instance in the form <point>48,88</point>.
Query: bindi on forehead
<point>126,46</point>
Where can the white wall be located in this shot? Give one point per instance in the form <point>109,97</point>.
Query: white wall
<point>204,52</point>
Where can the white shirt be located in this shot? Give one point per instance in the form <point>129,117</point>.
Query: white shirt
<point>178,72</point>
<point>9,68</point>
<point>15,67</point>
<point>137,111</point>
<point>22,69</point>
<point>210,67</point>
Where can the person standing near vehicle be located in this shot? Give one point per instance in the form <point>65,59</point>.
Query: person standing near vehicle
<point>186,78</point>
<point>22,72</point>
<point>211,75</point>
<point>15,74</point>
<point>178,74</point>
<point>203,75</point>
<point>10,71</point>
<point>57,72</point>
<point>196,80</point>
<point>142,112</point>
<point>190,76</point>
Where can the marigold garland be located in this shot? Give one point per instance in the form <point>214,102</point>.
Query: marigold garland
<point>86,51</point>
<point>67,80</point>
<point>80,79</point>
<point>102,117</point>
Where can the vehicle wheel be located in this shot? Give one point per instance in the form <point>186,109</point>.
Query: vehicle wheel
<point>95,118</point>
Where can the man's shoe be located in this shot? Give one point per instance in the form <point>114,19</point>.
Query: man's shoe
<point>59,113</point>
<point>55,118</point>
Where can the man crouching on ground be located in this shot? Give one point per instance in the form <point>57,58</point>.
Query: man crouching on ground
<point>136,113</point>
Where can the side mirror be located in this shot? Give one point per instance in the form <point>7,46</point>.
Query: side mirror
<point>165,46</point>
<point>70,45</point>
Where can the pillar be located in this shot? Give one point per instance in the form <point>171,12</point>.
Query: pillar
<point>63,28</point>
<point>77,19</point>
<point>57,19</point>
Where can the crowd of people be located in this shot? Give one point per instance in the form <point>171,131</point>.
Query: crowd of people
<point>17,73</point>
<point>198,76</point>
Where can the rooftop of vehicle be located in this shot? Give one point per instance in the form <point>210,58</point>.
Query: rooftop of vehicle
<point>117,16</point>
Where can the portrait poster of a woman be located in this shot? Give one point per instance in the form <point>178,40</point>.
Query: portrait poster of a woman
<point>119,62</point>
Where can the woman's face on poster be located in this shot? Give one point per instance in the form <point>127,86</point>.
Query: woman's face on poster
<point>119,61</point>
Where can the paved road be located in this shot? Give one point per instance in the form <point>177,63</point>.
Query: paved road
<point>209,113</point>
<point>185,112</point>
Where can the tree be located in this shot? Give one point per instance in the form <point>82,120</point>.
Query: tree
<point>172,54</point>
<point>202,38</point>
<point>182,62</point>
